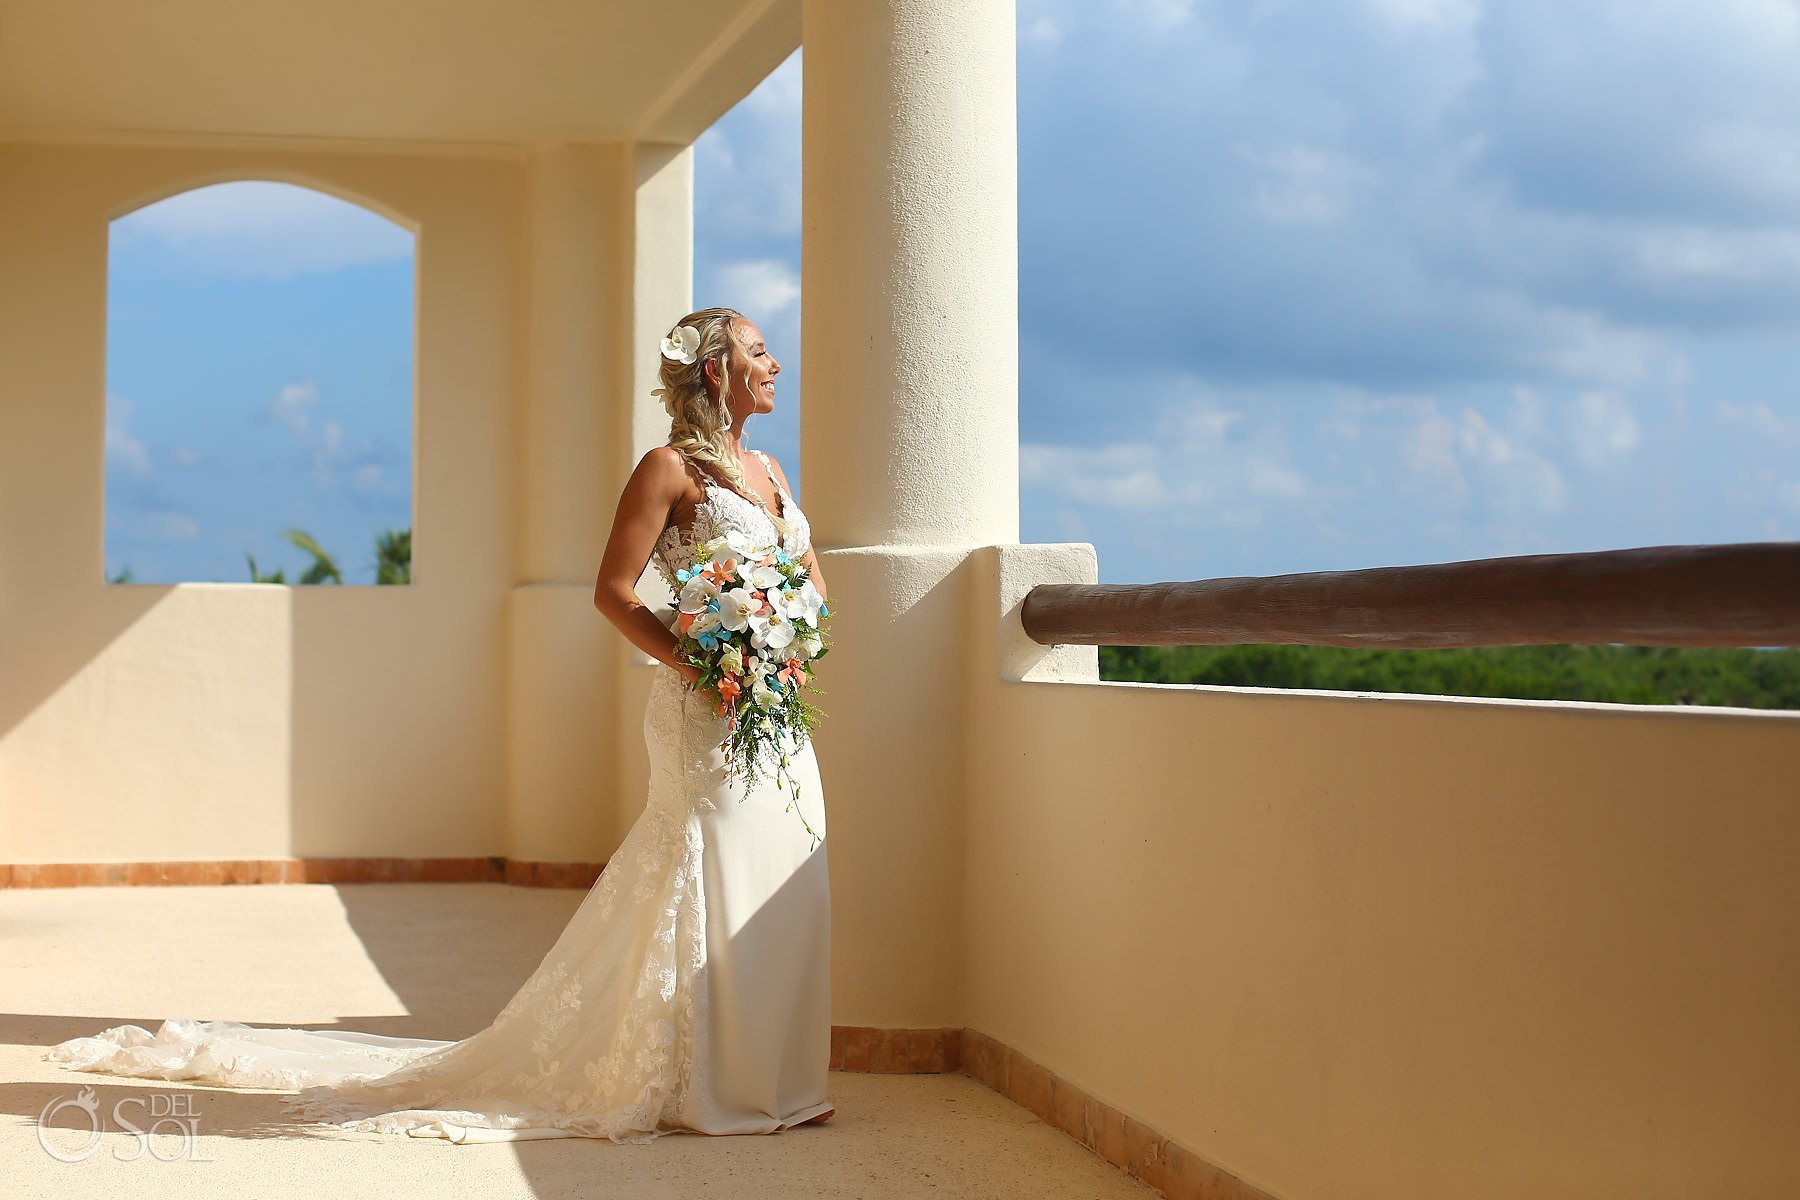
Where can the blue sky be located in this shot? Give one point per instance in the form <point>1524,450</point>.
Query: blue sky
<point>259,377</point>
<point>1302,287</point>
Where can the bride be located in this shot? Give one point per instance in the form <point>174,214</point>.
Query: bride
<point>690,991</point>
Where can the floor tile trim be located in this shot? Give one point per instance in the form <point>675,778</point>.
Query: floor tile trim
<point>1121,1140</point>
<point>300,870</point>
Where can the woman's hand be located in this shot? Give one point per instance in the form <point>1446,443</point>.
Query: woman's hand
<point>689,672</point>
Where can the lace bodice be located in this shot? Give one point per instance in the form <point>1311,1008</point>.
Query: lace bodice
<point>721,511</point>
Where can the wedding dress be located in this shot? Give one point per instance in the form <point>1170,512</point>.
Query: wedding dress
<point>690,991</point>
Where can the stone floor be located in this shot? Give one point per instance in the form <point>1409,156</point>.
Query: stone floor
<point>419,960</point>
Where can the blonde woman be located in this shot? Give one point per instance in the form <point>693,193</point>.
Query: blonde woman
<point>690,991</point>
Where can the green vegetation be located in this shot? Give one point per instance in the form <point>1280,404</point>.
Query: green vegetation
<point>1742,678</point>
<point>393,561</point>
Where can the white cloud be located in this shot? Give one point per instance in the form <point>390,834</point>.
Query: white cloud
<point>1303,185</point>
<point>1761,420</point>
<point>256,229</point>
<point>763,289</point>
<point>168,526</point>
<point>1429,445</point>
<point>1045,31</point>
<point>1477,460</point>
<point>747,182</point>
<point>1266,477</point>
<point>123,447</point>
<point>1516,480</point>
<point>1689,254</point>
<point>1160,16</point>
<point>1602,428</point>
<point>1410,15</point>
<point>1191,473</point>
<point>1121,475</point>
<point>293,406</point>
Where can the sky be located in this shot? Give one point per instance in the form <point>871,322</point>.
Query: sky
<point>1303,287</point>
<point>258,378</point>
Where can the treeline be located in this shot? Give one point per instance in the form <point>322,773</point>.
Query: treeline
<point>1742,678</point>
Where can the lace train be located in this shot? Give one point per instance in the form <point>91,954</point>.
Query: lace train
<point>620,1071</point>
<point>690,990</point>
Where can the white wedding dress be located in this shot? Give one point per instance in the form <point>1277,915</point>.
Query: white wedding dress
<point>690,991</point>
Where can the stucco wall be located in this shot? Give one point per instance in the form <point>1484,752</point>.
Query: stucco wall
<point>1357,946</point>
<point>221,720</point>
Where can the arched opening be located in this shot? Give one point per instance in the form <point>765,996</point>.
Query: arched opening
<point>259,389</point>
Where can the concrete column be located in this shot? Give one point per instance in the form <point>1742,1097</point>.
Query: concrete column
<point>570,463</point>
<point>910,427</point>
<point>572,262</point>
<point>660,288</point>
<point>910,435</point>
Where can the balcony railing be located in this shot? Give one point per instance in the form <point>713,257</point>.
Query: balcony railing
<point>1731,595</point>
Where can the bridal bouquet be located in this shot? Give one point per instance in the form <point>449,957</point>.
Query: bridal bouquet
<point>750,620</point>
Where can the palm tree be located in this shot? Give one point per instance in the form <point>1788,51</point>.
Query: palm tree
<point>393,556</point>
<point>393,559</point>
<point>323,569</point>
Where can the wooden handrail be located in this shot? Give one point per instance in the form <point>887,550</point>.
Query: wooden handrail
<point>1731,595</point>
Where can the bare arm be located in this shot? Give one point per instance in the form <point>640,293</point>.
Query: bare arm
<point>809,560</point>
<point>644,506</point>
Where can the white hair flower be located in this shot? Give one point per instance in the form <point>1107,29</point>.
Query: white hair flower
<point>681,344</point>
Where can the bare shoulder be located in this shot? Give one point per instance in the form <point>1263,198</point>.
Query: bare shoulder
<point>662,460</point>
<point>663,471</point>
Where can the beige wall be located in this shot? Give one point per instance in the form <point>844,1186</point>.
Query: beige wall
<point>216,720</point>
<point>1360,946</point>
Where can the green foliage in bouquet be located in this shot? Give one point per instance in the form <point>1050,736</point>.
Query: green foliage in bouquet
<point>751,622</point>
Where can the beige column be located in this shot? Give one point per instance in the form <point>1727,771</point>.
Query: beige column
<point>570,465</point>
<point>660,288</point>
<point>909,431</point>
<point>910,426</point>
<point>662,285</point>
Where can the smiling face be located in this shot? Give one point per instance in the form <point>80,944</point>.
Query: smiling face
<point>753,372</point>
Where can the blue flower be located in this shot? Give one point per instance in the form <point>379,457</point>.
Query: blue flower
<point>713,604</point>
<point>709,641</point>
<point>824,611</point>
<point>686,573</point>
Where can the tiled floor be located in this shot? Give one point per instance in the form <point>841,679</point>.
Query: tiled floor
<point>423,960</point>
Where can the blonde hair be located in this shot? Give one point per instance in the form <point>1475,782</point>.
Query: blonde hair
<point>697,419</point>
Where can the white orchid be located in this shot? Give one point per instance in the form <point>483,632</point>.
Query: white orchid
<point>735,606</point>
<point>698,594</point>
<point>705,622</point>
<point>807,646</point>
<point>768,578</point>
<point>681,344</point>
<point>764,696</point>
<point>803,603</point>
<point>771,628</point>
<point>748,548</point>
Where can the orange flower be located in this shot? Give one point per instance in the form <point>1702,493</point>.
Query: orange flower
<point>791,672</point>
<point>686,620</point>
